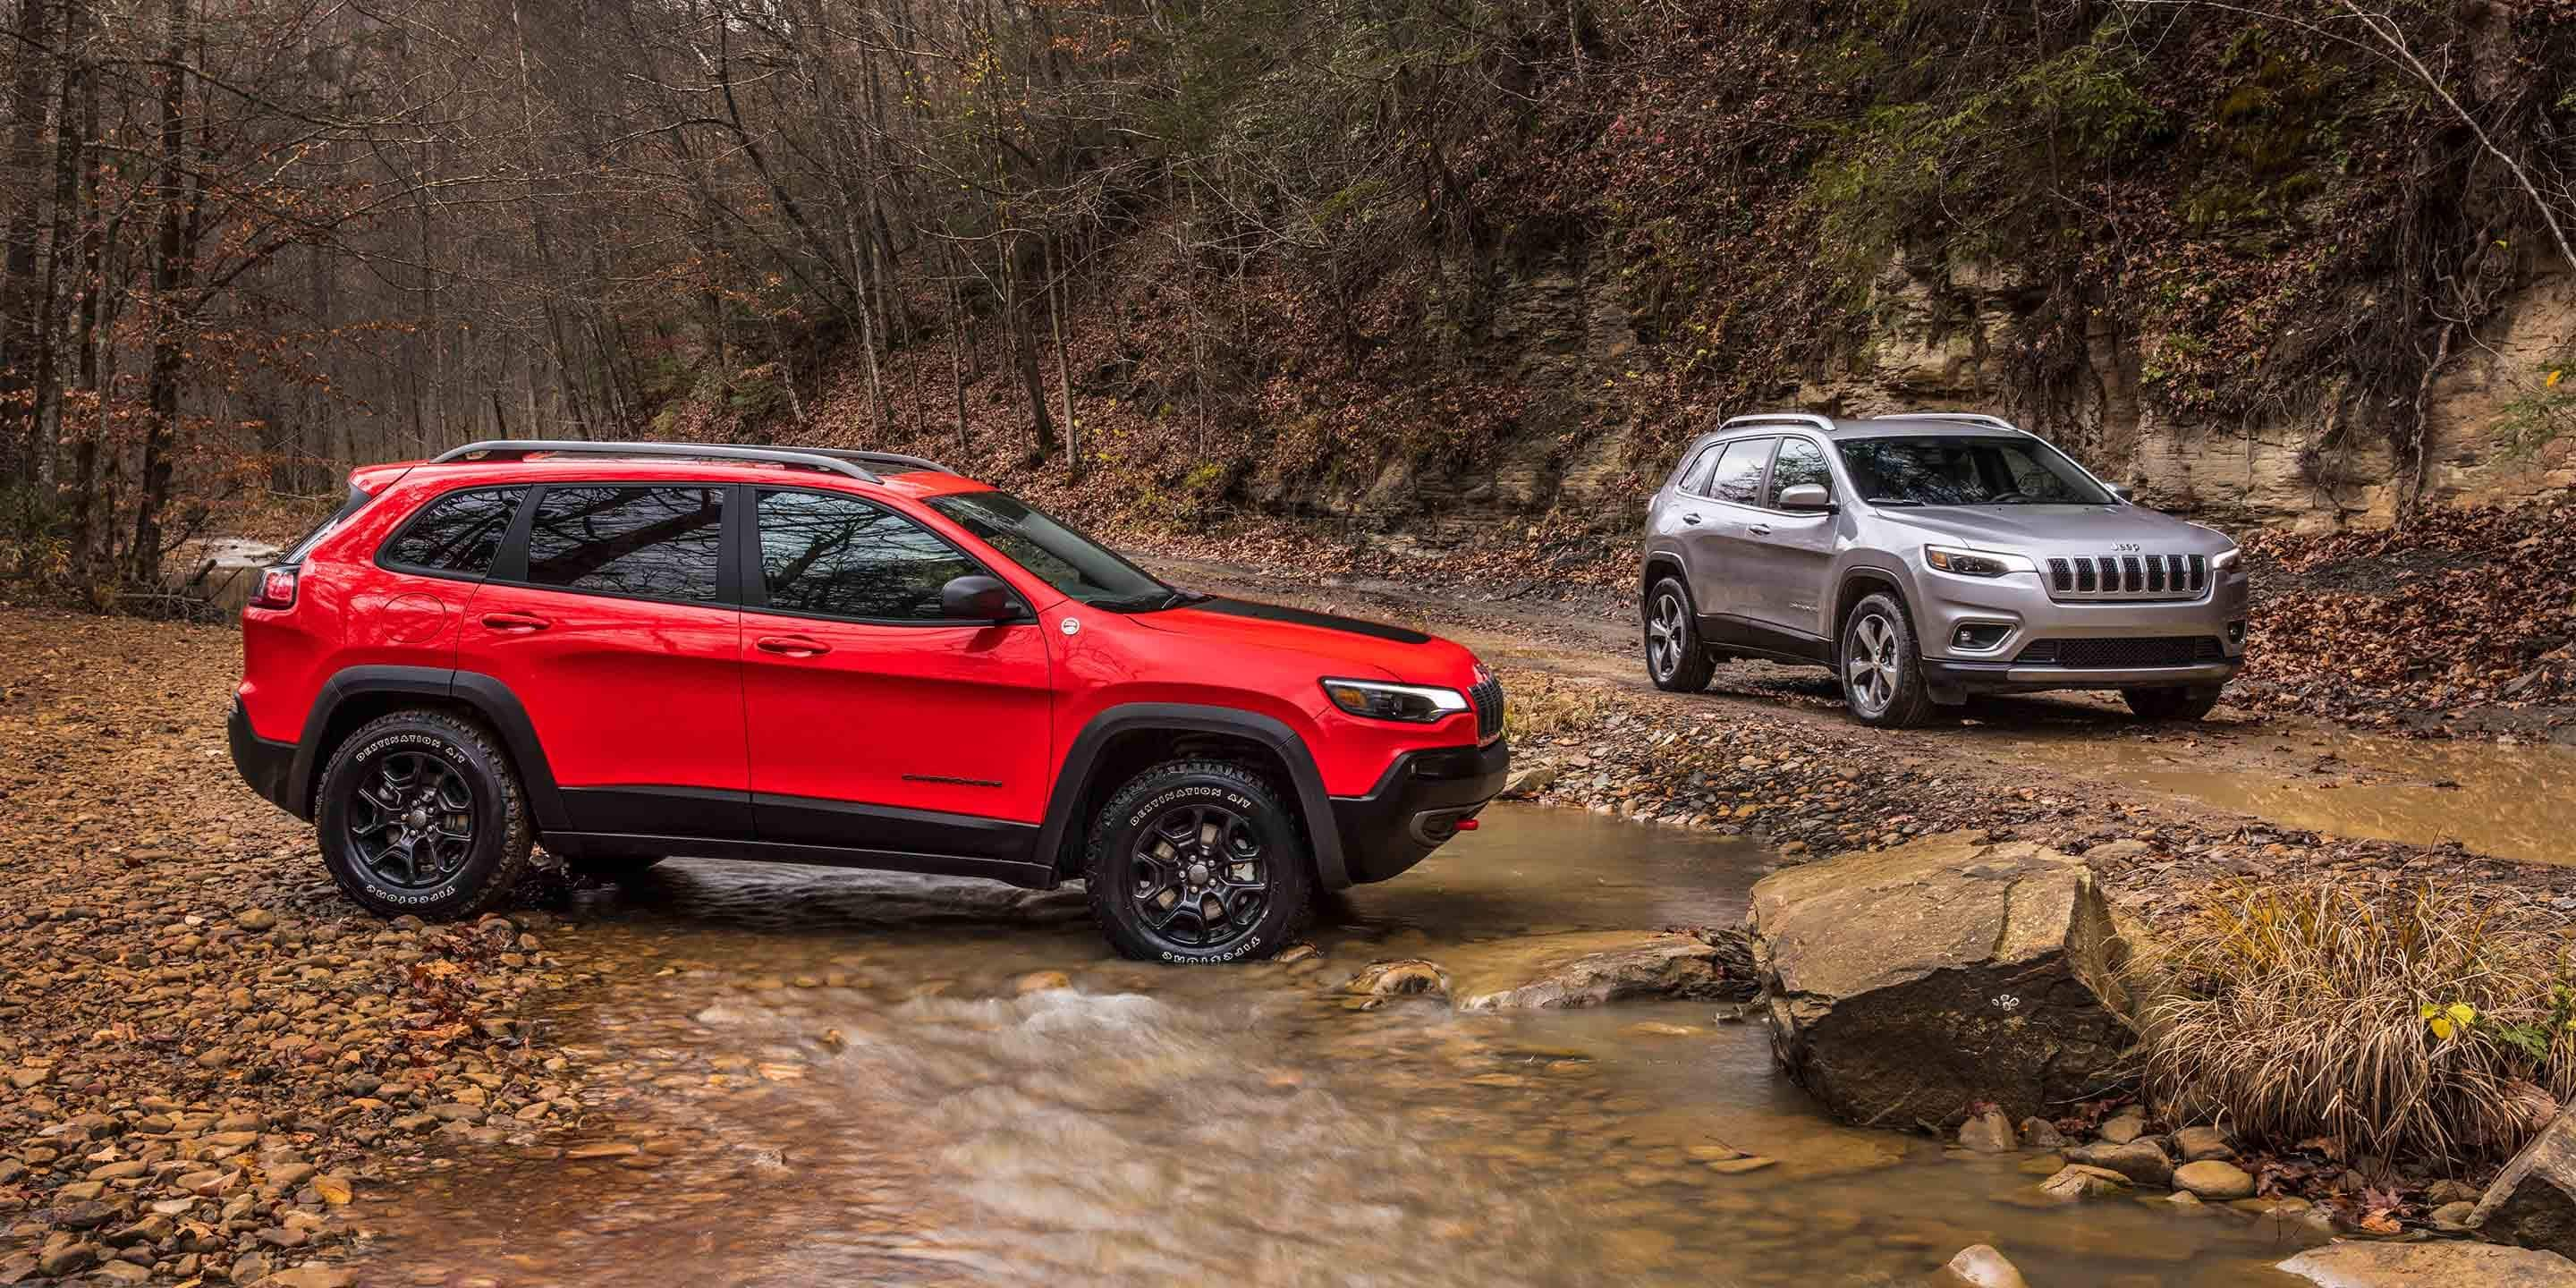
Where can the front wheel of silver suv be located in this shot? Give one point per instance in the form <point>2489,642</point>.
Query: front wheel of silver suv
<point>1880,670</point>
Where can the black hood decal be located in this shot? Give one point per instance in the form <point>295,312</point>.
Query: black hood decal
<point>1301,617</point>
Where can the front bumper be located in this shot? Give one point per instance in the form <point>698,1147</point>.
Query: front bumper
<point>1416,807</point>
<point>266,766</point>
<point>2007,677</point>
<point>2014,613</point>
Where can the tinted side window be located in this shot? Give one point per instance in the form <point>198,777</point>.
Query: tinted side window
<point>458,533</point>
<point>835,555</point>
<point>1695,478</point>
<point>1799,462</point>
<point>1739,471</point>
<point>657,542</point>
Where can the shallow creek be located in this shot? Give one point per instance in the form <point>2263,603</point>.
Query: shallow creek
<point>828,1077</point>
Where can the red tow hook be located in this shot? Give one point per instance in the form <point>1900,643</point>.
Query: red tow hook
<point>1466,825</point>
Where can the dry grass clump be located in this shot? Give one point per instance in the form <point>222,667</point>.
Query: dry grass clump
<point>1536,703</point>
<point>2400,1024</point>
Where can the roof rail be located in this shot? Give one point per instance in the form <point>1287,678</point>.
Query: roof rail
<point>1963,417</point>
<point>871,458</point>
<point>1780,418</point>
<point>522,448</point>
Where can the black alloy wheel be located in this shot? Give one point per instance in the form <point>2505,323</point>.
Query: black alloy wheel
<point>1199,874</point>
<point>411,823</point>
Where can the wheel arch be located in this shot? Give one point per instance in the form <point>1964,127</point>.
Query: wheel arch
<point>1858,584</point>
<point>1659,565</point>
<point>359,694</point>
<point>1120,742</point>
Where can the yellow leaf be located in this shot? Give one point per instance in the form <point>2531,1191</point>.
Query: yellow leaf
<point>2462,1014</point>
<point>2428,1012</point>
<point>2552,382</point>
<point>2442,1029</point>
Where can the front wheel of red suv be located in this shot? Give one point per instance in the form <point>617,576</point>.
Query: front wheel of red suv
<point>420,812</point>
<point>1195,862</point>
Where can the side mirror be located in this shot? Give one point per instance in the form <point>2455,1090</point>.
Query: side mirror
<point>976,597</point>
<point>2128,495</point>
<point>1806,496</point>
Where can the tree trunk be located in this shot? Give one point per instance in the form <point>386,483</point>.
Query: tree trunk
<point>21,316</point>
<point>169,276</point>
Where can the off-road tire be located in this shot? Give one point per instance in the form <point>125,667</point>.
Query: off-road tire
<point>497,857</point>
<point>1111,868</point>
<point>1897,665</point>
<point>1668,616</point>
<point>2172,703</point>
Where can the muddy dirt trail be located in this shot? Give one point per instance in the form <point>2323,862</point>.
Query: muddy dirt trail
<point>2508,798</point>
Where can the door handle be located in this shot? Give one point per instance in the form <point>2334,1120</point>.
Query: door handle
<point>1760,530</point>
<point>1690,518</point>
<point>791,645</point>
<point>515,623</point>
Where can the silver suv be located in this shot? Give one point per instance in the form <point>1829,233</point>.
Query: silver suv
<point>1928,556</point>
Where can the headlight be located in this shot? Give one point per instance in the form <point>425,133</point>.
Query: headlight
<point>1378,700</point>
<point>2227,559</point>
<point>1975,563</point>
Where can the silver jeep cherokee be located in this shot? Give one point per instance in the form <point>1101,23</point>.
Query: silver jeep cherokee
<point>1928,556</point>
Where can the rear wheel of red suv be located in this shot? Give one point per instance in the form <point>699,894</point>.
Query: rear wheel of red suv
<point>420,812</point>
<point>1196,861</point>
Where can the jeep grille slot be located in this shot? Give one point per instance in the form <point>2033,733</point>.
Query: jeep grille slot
<point>2112,652</point>
<point>1488,698</point>
<point>2118,577</point>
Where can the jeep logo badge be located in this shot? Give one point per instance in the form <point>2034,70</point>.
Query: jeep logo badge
<point>1070,626</point>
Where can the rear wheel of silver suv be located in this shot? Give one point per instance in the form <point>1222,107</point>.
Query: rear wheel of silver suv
<point>1675,659</point>
<point>1881,673</point>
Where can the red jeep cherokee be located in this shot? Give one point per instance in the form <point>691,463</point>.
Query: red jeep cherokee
<point>849,658</point>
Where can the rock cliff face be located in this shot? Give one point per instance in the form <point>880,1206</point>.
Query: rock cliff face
<point>1931,336</point>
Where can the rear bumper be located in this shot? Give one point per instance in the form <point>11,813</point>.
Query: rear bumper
<point>267,766</point>
<point>1416,807</point>
<point>2008,677</point>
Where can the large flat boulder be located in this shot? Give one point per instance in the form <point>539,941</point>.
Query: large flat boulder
<point>1906,984</point>
<point>2431,1265</point>
<point>2533,1200</point>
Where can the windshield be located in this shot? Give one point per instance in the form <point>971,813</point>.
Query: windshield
<point>1069,561</point>
<point>1955,469</point>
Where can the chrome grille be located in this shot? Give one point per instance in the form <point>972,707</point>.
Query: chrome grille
<point>1488,699</point>
<point>2156,576</point>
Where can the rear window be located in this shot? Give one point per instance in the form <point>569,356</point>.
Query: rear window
<point>456,535</point>
<point>303,545</point>
<point>1739,471</point>
<point>650,542</point>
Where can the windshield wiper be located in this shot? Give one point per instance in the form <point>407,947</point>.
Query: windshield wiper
<point>1893,500</point>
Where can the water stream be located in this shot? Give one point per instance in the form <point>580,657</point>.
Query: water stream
<point>822,1077</point>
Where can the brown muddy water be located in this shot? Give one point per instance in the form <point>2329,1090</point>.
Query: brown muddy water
<point>824,1077</point>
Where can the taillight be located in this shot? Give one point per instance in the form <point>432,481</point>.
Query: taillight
<point>276,589</point>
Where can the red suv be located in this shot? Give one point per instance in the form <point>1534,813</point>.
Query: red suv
<point>848,658</point>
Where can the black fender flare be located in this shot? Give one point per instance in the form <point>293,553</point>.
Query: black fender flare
<point>487,696</point>
<point>1073,781</point>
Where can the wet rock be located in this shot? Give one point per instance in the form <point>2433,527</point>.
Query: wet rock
<point>1564,971</point>
<point>255,920</point>
<point>310,1275</point>
<point>1040,981</point>
<point>2452,1217</point>
<point>1530,781</point>
<point>1979,1266</point>
<point>2125,1126</point>
<point>2039,1133</point>
<point>1989,1132</point>
<point>1906,983</point>
<point>1295,953</point>
<point>62,1259</point>
<point>2214,1178</point>
<point>2532,1202</point>
<point>2451,1191</point>
<point>2199,1143</point>
<point>2143,1161</point>
<point>2449,1264</point>
<point>2078,1181</point>
<point>1410,977</point>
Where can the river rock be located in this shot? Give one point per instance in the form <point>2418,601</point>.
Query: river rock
<point>2450,1264</point>
<point>1979,1266</point>
<point>2039,1133</point>
<point>1907,983</point>
<point>2125,1126</point>
<point>1566,971</point>
<point>1989,1133</point>
<point>2214,1178</point>
<point>2533,1200</point>
<point>2199,1143</point>
<point>1406,978</point>
<point>2078,1181</point>
<point>2143,1161</point>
